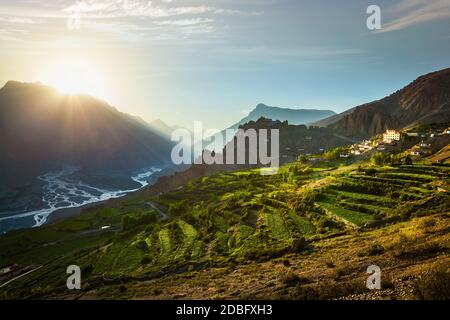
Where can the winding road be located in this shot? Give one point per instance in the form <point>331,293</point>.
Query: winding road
<point>164,215</point>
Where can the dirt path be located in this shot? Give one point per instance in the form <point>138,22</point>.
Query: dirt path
<point>164,215</point>
<point>19,276</point>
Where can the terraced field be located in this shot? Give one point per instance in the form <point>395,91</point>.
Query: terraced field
<point>349,217</point>
<point>362,198</point>
<point>227,218</point>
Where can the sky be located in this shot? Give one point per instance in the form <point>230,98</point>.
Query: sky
<point>215,60</point>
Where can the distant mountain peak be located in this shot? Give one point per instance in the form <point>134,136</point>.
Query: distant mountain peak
<point>158,121</point>
<point>262,107</point>
<point>293,116</point>
<point>13,84</point>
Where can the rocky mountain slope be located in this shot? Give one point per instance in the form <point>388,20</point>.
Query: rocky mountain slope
<point>426,100</point>
<point>42,129</point>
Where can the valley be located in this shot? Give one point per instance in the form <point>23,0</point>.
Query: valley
<point>309,225</point>
<point>67,189</point>
<point>59,151</point>
<point>224,158</point>
<point>341,201</point>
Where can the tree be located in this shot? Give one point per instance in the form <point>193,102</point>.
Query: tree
<point>333,154</point>
<point>133,220</point>
<point>302,159</point>
<point>377,158</point>
<point>408,161</point>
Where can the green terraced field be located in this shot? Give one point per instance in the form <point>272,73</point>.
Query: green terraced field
<point>357,218</point>
<point>189,235</point>
<point>365,198</point>
<point>234,215</point>
<point>302,224</point>
<point>165,244</point>
<point>276,226</point>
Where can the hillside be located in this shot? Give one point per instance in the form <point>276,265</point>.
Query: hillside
<point>64,150</point>
<point>43,130</point>
<point>294,140</point>
<point>313,229</point>
<point>426,100</point>
<point>333,119</point>
<point>162,128</point>
<point>40,126</point>
<point>292,116</point>
<point>442,156</point>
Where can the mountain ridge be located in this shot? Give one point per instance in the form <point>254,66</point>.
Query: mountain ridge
<point>293,116</point>
<point>44,131</point>
<point>423,101</point>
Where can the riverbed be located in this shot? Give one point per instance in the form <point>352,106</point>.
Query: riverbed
<point>64,191</point>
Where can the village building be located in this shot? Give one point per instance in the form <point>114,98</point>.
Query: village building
<point>391,135</point>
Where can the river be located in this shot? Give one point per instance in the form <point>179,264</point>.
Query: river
<point>62,191</point>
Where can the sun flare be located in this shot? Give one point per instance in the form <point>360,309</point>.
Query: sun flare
<point>75,76</point>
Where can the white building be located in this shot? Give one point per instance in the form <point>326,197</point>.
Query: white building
<point>391,135</point>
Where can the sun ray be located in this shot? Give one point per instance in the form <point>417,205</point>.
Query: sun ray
<point>75,76</point>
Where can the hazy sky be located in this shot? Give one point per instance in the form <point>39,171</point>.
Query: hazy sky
<point>183,60</point>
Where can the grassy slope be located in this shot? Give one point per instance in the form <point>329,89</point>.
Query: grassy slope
<point>235,220</point>
<point>412,257</point>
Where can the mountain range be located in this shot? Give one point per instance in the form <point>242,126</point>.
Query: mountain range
<point>424,101</point>
<point>44,131</point>
<point>293,116</point>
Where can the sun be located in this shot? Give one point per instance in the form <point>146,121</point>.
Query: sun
<point>75,76</point>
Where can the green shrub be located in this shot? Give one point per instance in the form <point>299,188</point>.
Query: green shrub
<point>377,158</point>
<point>407,161</point>
<point>370,171</point>
<point>146,260</point>
<point>131,221</point>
